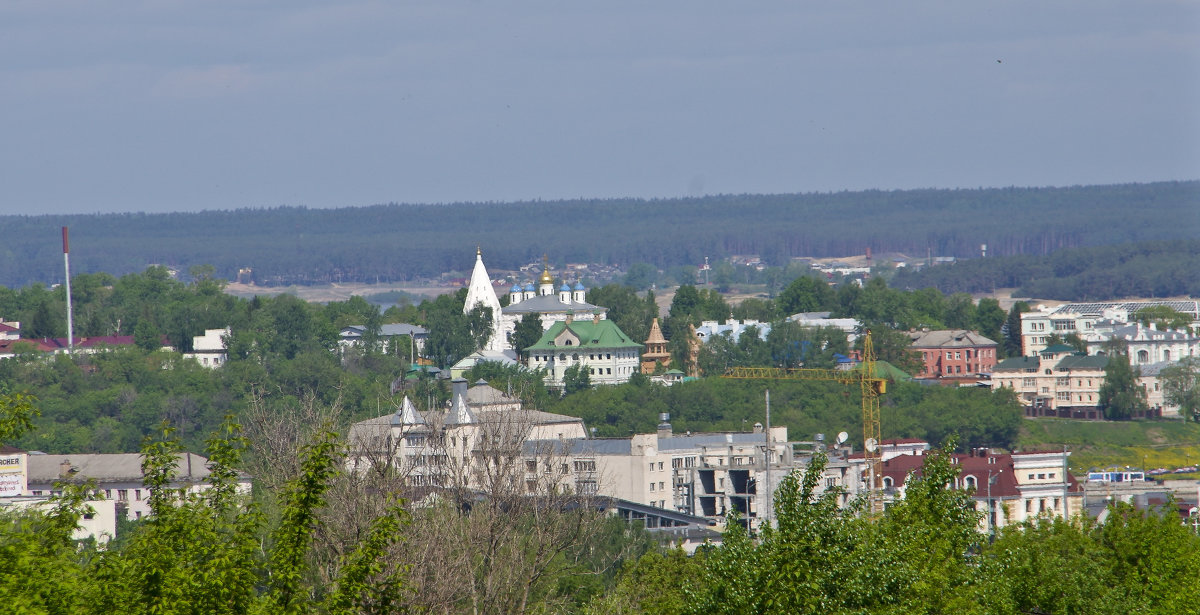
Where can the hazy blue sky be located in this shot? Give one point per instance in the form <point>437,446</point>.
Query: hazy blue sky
<point>184,105</point>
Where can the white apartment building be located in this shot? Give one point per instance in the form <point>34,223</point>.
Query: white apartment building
<point>597,345</point>
<point>1145,344</point>
<point>28,480</point>
<point>1082,318</point>
<point>1057,382</point>
<point>209,349</point>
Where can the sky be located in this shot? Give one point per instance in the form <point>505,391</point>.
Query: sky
<point>174,105</point>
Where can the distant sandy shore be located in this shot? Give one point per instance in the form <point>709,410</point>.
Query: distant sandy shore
<point>333,292</point>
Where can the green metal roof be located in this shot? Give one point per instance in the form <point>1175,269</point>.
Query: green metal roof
<point>1017,364</point>
<point>598,334</point>
<point>1082,362</point>
<point>1057,348</point>
<point>885,370</point>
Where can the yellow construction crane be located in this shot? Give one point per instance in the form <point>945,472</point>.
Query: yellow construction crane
<point>872,387</point>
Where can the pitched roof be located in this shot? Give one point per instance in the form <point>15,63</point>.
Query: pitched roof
<point>1057,348</point>
<point>656,336</point>
<point>883,369</point>
<point>549,304</point>
<point>121,467</point>
<point>1082,362</point>
<point>407,414</point>
<point>949,338</point>
<point>591,334</point>
<point>1017,364</point>
<point>460,413</point>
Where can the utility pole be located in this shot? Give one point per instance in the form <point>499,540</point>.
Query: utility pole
<point>67,266</point>
<point>767,458</point>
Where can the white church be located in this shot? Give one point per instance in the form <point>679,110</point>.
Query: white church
<point>551,306</point>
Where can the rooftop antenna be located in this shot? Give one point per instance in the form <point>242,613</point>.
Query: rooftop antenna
<point>67,266</point>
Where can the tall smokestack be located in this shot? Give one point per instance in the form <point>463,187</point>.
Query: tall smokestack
<point>67,266</point>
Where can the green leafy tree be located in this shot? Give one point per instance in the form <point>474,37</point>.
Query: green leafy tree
<point>1163,317</point>
<point>895,347</point>
<point>1012,343</point>
<point>1181,386</point>
<point>640,276</point>
<point>576,379</point>
<point>806,294</point>
<point>989,318</point>
<point>146,335</point>
<point>1121,397</point>
<point>960,311</point>
<point>527,332</point>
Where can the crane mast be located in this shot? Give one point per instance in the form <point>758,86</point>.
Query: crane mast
<point>872,387</point>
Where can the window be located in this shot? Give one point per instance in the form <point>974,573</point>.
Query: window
<point>651,466</point>
<point>651,487</point>
<point>660,465</point>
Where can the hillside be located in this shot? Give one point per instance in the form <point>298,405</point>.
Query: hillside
<point>389,243</point>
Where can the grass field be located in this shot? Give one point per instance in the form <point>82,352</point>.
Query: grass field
<point>1138,444</point>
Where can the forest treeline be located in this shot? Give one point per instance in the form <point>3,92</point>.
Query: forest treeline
<point>396,242</point>
<point>1096,273</point>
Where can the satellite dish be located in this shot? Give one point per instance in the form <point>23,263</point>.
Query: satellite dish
<point>842,437</point>
<point>871,445</point>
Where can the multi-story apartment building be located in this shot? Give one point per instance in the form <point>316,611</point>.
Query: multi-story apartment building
<point>1144,344</point>
<point>953,354</point>
<point>1057,382</point>
<point>1007,488</point>
<point>1082,318</point>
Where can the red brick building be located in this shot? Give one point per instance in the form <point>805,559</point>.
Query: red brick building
<point>954,354</point>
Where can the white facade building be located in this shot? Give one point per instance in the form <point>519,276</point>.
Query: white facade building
<point>29,481</point>
<point>209,349</point>
<point>1082,319</point>
<point>597,345</point>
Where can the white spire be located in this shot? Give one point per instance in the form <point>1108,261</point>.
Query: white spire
<point>407,414</point>
<point>480,292</point>
<point>459,413</point>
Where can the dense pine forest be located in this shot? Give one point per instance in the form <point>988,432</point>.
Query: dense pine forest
<point>1142,269</point>
<point>395,242</point>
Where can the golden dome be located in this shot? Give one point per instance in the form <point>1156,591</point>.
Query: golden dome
<point>546,277</point>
